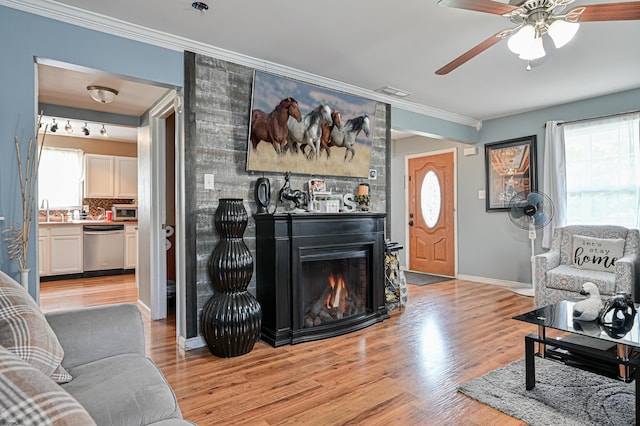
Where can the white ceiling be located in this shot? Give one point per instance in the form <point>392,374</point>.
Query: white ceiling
<point>371,44</point>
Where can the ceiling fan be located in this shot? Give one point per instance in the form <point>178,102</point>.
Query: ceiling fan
<point>535,19</point>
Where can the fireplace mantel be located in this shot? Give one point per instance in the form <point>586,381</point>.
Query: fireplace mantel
<point>284,240</point>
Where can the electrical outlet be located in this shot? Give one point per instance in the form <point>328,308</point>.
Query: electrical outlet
<point>208,182</point>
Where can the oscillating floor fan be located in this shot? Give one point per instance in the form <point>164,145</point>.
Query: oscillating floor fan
<point>530,211</point>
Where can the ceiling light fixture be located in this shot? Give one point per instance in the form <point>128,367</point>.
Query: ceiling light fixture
<point>536,19</point>
<point>102,94</point>
<point>85,129</point>
<point>103,131</point>
<point>68,127</point>
<point>54,126</point>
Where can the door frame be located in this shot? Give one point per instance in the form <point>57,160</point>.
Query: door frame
<point>455,202</point>
<point>167,105</point>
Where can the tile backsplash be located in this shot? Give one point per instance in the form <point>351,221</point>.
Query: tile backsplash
<point>105,203</point>
<point>93,204</point>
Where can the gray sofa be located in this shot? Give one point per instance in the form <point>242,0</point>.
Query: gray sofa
<point>113,380</point>
<point>78,367</point>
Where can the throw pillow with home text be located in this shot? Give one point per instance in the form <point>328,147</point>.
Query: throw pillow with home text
<point>596,254</point>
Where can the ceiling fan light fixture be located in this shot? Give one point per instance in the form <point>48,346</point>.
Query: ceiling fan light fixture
<point>562,32</point>
<point>518,41</point>
<point>102,94</point>
<point>533,49</point>
<point>68,127</point>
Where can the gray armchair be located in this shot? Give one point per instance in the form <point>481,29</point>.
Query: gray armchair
<point>556,279</point>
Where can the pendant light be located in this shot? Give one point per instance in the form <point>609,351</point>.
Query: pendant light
<point>68,127</point>
<point>103,131</point>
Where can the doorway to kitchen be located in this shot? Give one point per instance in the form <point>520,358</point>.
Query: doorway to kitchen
<point>155,129</point>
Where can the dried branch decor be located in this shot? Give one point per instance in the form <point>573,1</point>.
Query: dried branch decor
<point>17,237</point>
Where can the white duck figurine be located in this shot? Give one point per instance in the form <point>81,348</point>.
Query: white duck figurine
<point>588,309</point>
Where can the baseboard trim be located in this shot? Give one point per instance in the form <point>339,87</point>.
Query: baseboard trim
<point>144,307</point>
<point>494,281</point>
<point>191,343</point>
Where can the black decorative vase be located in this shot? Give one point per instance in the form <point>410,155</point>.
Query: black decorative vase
<point>232,317</point>
<point>263,195</point>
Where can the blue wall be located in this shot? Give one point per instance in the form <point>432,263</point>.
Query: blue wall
<point>26,37</point>
<point>489,245</point>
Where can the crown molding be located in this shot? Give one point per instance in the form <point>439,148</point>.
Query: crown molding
<point>106,24</point>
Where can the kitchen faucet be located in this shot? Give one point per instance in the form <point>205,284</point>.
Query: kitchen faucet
<point>101,215</point>
<point>45,201</point>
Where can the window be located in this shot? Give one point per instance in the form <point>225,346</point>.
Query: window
<point>603,171</point>
<point>60,177</point>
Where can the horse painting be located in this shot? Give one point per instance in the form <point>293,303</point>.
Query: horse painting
<point>346,135</point>
<point>325,138</point>
<point>272,127</point>
<point>309,130</point>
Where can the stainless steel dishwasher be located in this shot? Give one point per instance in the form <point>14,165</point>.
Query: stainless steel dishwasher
<point>103,247</point>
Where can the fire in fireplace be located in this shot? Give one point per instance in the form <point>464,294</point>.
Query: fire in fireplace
<point>334,289</point>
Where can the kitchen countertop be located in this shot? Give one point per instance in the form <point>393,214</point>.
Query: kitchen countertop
<point>87,222</point>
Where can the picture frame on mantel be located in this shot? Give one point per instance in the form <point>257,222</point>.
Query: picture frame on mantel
<point>348,152</point>
<point>510,168</point>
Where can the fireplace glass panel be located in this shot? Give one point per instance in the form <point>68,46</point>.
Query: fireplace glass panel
<point>333,289</point>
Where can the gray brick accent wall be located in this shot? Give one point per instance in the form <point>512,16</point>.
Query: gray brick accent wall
<point>217,144</point>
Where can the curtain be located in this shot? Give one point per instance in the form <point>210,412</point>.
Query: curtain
<point>554,179</point>
<point>603,171</point>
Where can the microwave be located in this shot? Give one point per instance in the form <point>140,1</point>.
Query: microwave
<point>124,212</point>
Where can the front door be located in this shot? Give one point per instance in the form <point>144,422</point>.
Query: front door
<point>431,214</point>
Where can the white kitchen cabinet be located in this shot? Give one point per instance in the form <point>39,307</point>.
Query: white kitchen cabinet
<point>130,246</point>
<point>44,251</point>
<point>99,171</point>
<point>109,176</point>
<point>126,177</point>
<point>65,244</point>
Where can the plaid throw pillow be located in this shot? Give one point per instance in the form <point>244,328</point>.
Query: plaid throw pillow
<point>25,331</point>
<point>28,397</point>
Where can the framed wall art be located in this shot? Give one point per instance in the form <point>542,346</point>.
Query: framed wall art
<point>510,168</point>
<point>286,129</point>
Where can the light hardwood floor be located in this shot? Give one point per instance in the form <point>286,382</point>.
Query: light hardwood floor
<point>403,371</point>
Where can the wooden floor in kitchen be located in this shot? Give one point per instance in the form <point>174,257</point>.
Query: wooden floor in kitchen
<point>403,371</point>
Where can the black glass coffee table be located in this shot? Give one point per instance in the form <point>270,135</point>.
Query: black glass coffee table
<point>608,350</point>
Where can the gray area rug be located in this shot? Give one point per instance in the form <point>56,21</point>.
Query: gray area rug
<point>417,278</point>
<point>563,395</point>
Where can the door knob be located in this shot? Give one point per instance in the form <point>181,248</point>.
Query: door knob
<point>410,223</point>
<point>411,215</point>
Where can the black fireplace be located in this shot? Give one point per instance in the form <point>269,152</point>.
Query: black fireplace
<point>319,275</point>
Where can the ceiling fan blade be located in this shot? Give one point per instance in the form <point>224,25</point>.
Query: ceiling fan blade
<point>486,6</point>
<point>626,11</point>
<point>470,54</point>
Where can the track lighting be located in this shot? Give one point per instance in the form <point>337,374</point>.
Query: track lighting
<point>85,129</point>
<point>103,131</point>
<point>68,127</point>
<point>54,126</point>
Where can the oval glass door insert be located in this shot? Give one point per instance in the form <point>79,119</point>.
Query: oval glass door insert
<point>430,201</point>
